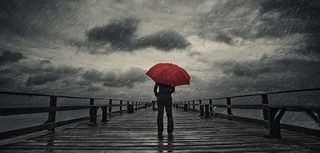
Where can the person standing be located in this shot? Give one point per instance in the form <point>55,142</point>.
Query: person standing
<point>164,100</point>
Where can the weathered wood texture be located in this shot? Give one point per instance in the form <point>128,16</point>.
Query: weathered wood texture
<point>137,132</point>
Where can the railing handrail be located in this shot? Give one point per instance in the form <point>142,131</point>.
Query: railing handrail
<point>53,108</point>
<point>258,94</point>
<point>60,96</point>
<point>270,93</point>
<point>272,113</point>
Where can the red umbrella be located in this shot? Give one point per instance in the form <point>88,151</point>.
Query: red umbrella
<point>168,73</point>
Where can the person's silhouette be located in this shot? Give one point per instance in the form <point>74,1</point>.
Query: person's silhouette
<point>164,99</point>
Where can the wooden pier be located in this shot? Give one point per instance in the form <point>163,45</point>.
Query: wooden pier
<point>133,128</point>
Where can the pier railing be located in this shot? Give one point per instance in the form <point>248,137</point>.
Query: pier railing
<point>50,125</point>
<point>272,113</point>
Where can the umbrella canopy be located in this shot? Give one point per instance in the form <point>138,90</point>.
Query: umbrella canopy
<point>168,73</point>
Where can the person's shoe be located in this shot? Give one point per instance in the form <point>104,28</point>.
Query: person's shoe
<point>170,136</point>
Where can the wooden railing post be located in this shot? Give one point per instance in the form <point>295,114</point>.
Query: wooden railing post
<point>120,107</point>
<point>128,106</point>
<point>201,110</point>
<point>229,111</point>
<point>193,105</point>
<point>314,115</point>
<point>104,113</point>
<point>52,113</point>
<point>185,107</point>
<point>132,107</point>
<point>207,111</point>
<point>110,107</point>
<point>265,110</point>
<point>274,122</point>
<point>93,113</point>
<point>210,103</point>
<point>136,105</point>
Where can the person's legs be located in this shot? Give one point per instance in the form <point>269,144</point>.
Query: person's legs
<point>160,117</point>
<point>169,117</point>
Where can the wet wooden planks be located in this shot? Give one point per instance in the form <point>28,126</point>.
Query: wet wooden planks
<point>138,133</point>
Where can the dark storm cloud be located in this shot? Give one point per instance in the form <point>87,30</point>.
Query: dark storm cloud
<point>93,75</point>
<point>294,16</point>
<point>230,18</point>
<point>265,75</point>
<point>287,17</point>
<point>224,38</point>
<point>9,57</point>
<point>265,66</point>
<point>17,16</point>
<point>120,33</point>
<point>42,79</point>
<point>252,19</point>
<point>250,68</point>
<point>127,78</point>
<point>41,75</point>
<point>116,78</point>
<point>5,81</point>
<point>269,73</point>
<point>41,68</point>
<point>164,40</point>
<point>242,85</point>
<point>297,16</point>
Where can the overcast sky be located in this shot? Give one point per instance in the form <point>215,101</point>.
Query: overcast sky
<point>104,48</point>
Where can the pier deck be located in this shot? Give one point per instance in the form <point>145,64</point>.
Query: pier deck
<point>137,132</point>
